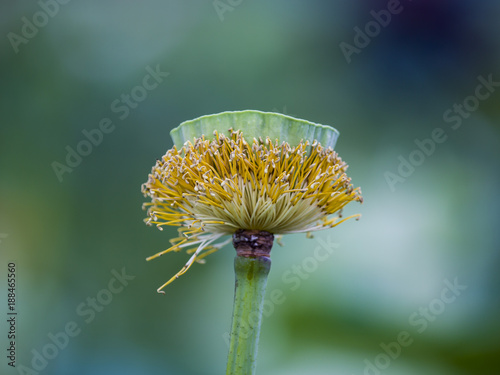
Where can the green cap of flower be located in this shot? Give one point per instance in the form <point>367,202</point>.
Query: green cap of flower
<point>247,170</point>
<point>256,124</point>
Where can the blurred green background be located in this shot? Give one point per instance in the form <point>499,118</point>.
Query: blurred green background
<point>421,225</point>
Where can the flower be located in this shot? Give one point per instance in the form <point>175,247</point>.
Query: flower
<point>211,188</point>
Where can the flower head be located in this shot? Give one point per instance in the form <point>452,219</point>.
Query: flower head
<point>214,187</point>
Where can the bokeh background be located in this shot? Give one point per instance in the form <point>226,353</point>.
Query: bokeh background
<point>437,222</point>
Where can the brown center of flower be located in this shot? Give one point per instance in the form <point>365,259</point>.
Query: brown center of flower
<point>253,243</point>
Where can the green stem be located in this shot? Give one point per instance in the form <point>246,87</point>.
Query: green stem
<point>251,265</point>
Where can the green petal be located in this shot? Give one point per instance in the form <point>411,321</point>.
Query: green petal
<point>255,124</point>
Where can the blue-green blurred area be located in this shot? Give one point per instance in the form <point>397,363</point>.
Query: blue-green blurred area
<point>429,220</point>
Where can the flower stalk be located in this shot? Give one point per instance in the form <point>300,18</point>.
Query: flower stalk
<point>251,265</point>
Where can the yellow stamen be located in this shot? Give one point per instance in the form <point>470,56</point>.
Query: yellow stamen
<point>211,188</point>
